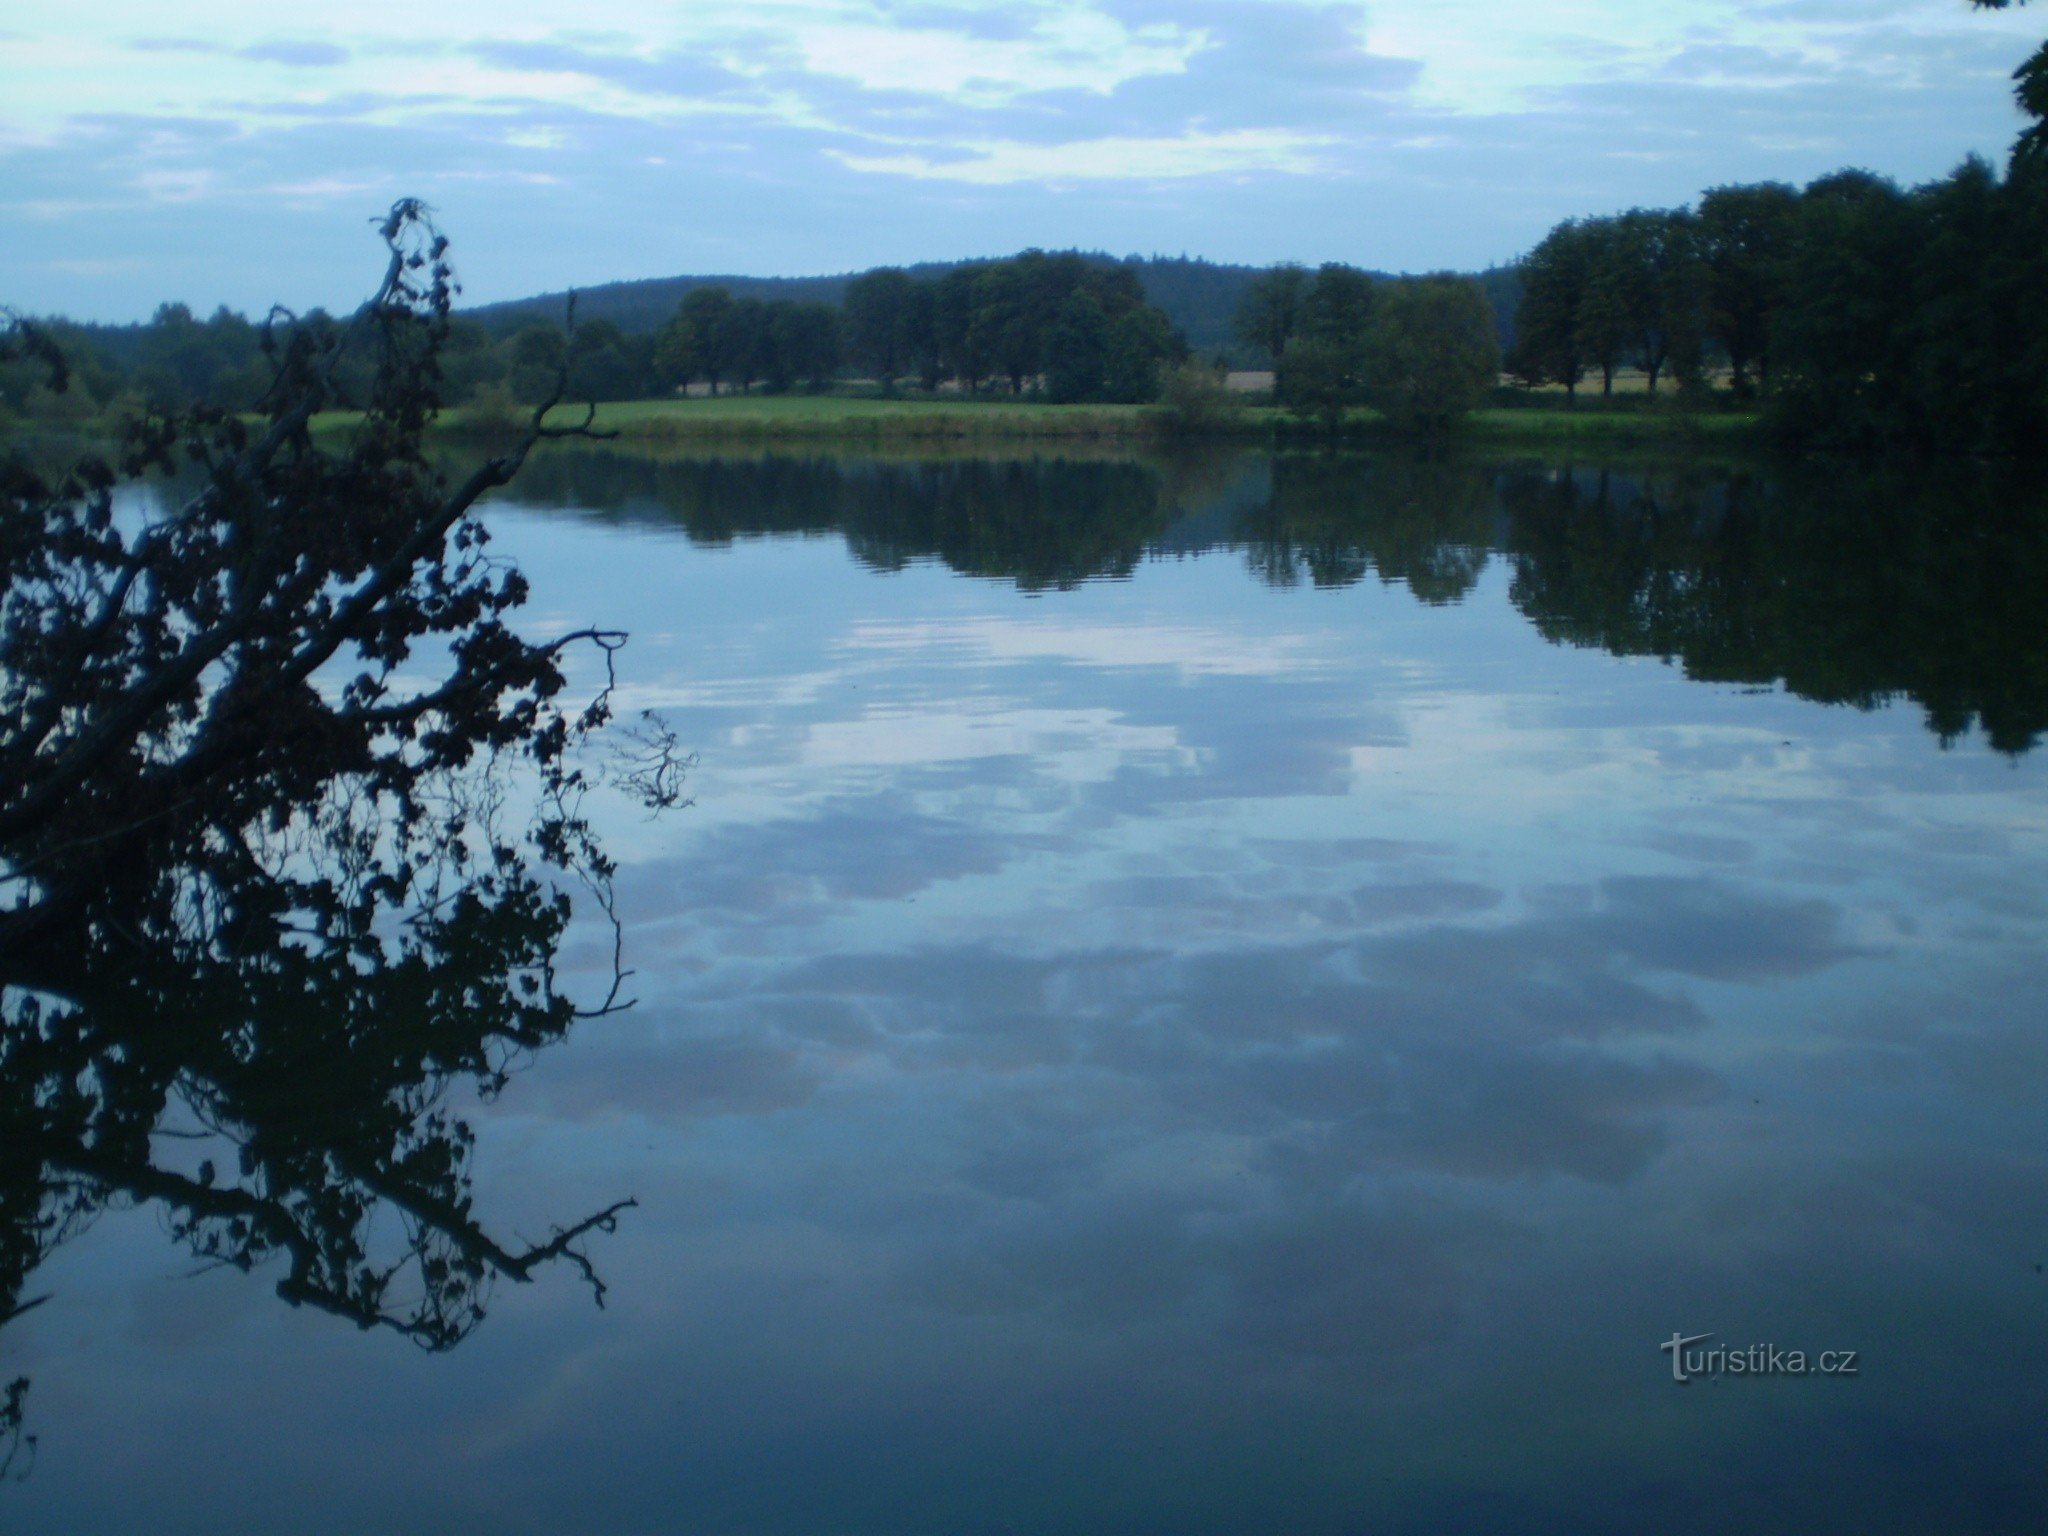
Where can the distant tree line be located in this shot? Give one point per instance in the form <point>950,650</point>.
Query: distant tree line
<point>176,361</point>
<point>1060,326</point>
<point>1057,324</point>
<point>1072,329</point>
<point>1199,298</point>
<point>1083,328</point>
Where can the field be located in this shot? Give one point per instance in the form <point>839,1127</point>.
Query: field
<point>859,420</point>
<point>837,416</point>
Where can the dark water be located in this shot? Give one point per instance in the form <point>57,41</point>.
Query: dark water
<point>1228,996</point>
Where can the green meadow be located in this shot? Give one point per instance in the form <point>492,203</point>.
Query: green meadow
<point>840,418</point>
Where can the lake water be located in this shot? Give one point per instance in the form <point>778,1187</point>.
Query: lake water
<point>1237,995</point>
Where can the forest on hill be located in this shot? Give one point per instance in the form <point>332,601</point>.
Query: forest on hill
<point>1200,299</point>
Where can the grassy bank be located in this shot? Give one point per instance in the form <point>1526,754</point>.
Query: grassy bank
<point>834,418</point>
<point>924,422</point>
<point>839,418</point>
<point>1593,426</point>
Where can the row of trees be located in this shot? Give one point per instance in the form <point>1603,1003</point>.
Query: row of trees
<point>1648,289</point>
<point>177,362</point>
<point>740,342</point>
<point>1077,330</point>
<point>1423,351</point>
<point>1860,313</point>
<point>1082,328</point>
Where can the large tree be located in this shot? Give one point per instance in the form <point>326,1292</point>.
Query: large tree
<point>744,344</point>
<point>805,342</point>
<point>961,347</point>
<point>1744,233</point>
<point>1549,344</point>
<point>692,344</point>
<point>1322,369</point>
<point>1610,301</point>
<point>1141,342</point>
<point>1077,350</point>
<point>1843,324</point>
<point>1271,313</point>
<point>1673,318</point>
<point>1432,354</point>
<point>879,323</point>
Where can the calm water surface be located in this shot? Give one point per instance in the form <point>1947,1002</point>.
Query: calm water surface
<point>1232,996</point>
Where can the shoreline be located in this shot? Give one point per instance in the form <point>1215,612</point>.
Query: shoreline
<point>828,419</point>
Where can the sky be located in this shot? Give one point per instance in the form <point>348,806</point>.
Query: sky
<point>225,151</point>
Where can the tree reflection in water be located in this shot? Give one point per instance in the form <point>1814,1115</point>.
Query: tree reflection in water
<point>267,897</point>
<point>1845,584</point>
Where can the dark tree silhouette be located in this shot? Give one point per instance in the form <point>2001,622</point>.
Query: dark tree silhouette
<point>264,898</point>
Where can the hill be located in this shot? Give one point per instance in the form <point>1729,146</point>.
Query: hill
<point>1198,296</point>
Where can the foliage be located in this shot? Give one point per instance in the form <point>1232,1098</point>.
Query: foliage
<point>1194,401</point>
<point>1077,351</point>
<point>691,345</point>
<point>1083,327</point>
<point>1270,314</point>
<point>1549,347</point>
<point>1859,586</point>
<point>1198,299</point>
<point>1141,342</point>
<point>266,890</point>
<point>1915,319</point>
<point>1743,234</point>
<point>1431,356</point>
<point>881,323</point>
<point>1322,379</point>
<point>1338,307</point>
<point>1322,367</point>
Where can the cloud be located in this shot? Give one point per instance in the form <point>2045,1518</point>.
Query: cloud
<point>1239,153</point>
<point>297,53</point>
<point>813,135</point>
<point>1068,48</point>
<point>301,55</point>
<point>1189,651</point>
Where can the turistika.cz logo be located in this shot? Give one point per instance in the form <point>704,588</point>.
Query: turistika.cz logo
<point>1689,1362</point>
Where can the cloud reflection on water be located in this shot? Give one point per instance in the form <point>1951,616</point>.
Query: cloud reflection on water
<point>1210,1054</point>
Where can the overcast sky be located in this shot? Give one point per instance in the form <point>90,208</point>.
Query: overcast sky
<point>228,150</point>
